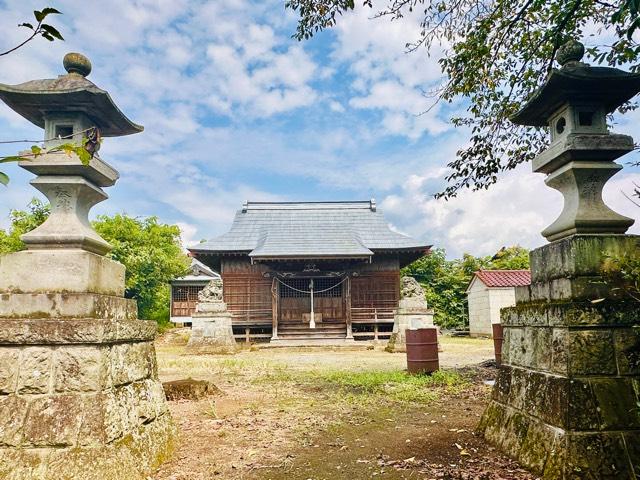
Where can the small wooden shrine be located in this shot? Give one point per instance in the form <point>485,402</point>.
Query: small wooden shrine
<point>309,271</point>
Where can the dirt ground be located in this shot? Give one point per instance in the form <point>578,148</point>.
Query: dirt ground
<point>321,415</point>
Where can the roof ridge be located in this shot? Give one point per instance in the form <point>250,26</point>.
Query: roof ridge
<point>311,205</point>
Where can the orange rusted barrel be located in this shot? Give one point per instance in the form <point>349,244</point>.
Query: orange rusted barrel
<point>497,342</point>
<point>422,350</point>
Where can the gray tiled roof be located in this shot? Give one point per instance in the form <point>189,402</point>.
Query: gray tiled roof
<point>317,229</point>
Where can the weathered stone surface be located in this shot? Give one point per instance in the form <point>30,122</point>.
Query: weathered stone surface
<point>13,411</point>
<point>35,370</point>
<point>73,331</point>
<point>60,271</point>
<point>189,389</point>
<point>132,362</point>
<point>580,255</point>
<point>412,313</point>
<point>80,369</point>
<point>53,421</point>
<point>591,352</point>
<point>67,305</point>
<point>627,350</point>
<point>9,370</point>
<point>211,330</point>
<point>23,464</point>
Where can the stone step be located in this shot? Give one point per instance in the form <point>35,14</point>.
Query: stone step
<point>312,335</point>
<point>315,342</point>
<point>312,330</point>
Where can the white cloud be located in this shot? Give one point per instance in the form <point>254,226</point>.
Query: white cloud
<point>387,78</point>
<point>514,211</point>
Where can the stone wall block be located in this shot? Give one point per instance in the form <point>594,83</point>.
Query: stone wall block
<point>148,401</point>
<point>92,429</point>
<point>13,411</point>
<point>35,370</point>
<point>596,456</point>
<point>523,294</point>
<point>80,369</point>
<point>617,403</point>
<point>506,346</point>
<point>577,255</point>
<point>542,348</point>
<point>517,391</point>
<point>559,357</point>
<point>53,421</point>
<point>514,352</point>
<point>9,370</point>
<point>540,291</point>
<point>94,463</point>
<point>509,317</point>
<point>632,441</point>
<point>131,362</point>
<point>627,349</point>
<point>114,422</point>
<point>23,463</point>
<point>591,352</point>
<point>139,330</point>
<point>583,407</point>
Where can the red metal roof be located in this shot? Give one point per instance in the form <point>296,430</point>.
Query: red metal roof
<point>504,278</point>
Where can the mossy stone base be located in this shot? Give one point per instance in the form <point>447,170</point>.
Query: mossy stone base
<point>566,402</point>
<point>80,399</point>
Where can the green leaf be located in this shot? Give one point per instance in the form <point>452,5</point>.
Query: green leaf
<point>4,179</point>
<point>25,24</point>
<point>49,11</point>
<point>52,31</point>
<point>39,15</point>
<point>85,157</point>
<point>36,150</point>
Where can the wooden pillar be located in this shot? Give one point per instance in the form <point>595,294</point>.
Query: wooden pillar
<point>275,294</point>
<point>247,335</point>
<point>375,331</point>
<point>347,302</point>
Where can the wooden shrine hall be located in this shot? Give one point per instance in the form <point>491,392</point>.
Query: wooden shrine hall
<point>312,272</point>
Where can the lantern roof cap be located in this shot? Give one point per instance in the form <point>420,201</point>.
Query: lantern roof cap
<point>577,82</point>
<point>72,92</point>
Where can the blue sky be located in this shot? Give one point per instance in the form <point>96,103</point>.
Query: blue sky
<point>234,109</point>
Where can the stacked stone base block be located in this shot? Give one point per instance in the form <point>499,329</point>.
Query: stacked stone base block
<point>566,401</point>
<point>212,330</point>
<point>411,314</point>
<point>80,399</point>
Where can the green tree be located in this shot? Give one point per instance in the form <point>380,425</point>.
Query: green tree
<point>496,53</point>
<point>150,251</point>
<point>22,222</point>
<point>511,258</point>
<point>152,255</point>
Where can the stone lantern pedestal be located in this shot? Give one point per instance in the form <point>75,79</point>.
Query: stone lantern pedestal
<point>211,329</point>
<point>412,313</point>
<point>566,399</point>
<point>79,391</point>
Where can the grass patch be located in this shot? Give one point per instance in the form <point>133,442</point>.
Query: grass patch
<point>394,385</point>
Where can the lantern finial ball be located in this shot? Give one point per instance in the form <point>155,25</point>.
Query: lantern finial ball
<point>77,63</point>
<point>570,52</point>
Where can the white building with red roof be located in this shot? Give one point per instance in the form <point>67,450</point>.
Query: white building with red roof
<point>488,292</point>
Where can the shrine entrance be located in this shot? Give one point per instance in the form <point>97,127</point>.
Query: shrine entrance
<point>312,306</point>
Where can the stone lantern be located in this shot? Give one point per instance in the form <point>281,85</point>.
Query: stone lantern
<point>574,103</point>
<point>79,389</point>
<point>71,109</point>
<point>565,402</point>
